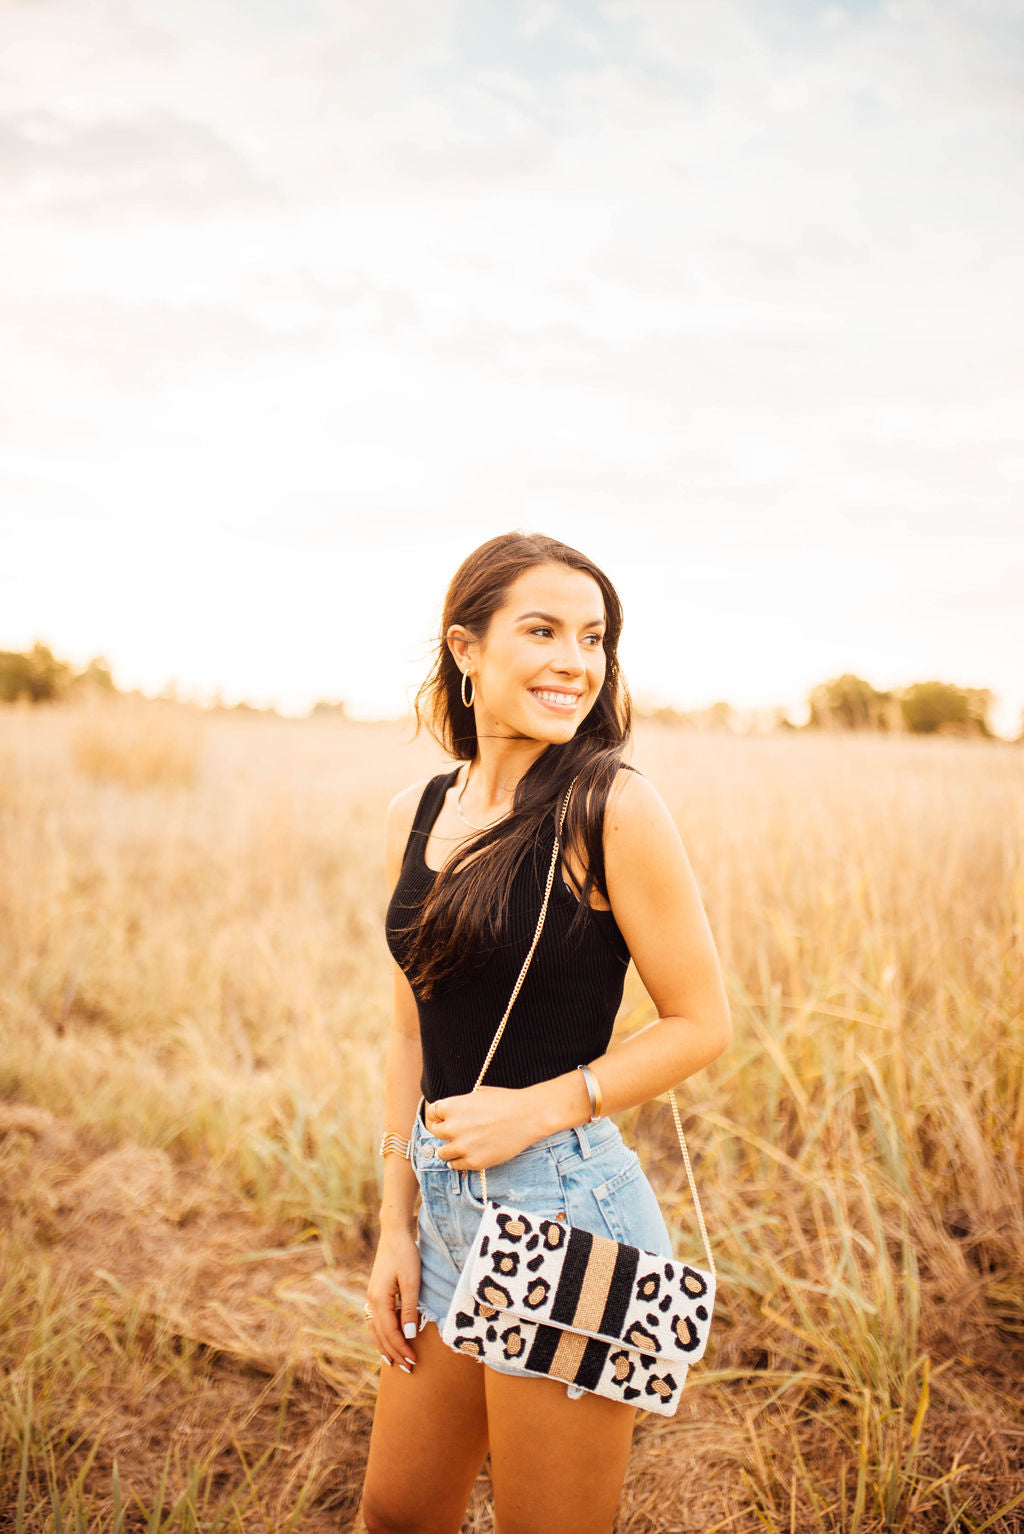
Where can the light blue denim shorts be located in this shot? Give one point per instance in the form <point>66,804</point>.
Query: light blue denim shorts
<point>585,1176</point>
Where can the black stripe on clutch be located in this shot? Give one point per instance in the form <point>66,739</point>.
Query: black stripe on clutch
<point>574,1271</point>
<point>592,1362</point>
<point>543,1349</point>
<point>620,1291</point>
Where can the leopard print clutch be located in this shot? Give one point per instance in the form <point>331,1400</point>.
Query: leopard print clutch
<point>553,1299</point>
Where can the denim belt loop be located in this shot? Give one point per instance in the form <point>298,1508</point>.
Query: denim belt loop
<point>580,1131</point>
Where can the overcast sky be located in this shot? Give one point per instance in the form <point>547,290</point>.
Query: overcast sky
<point>300,301</point>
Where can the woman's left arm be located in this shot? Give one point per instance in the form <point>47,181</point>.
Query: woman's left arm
<point>658,909</point>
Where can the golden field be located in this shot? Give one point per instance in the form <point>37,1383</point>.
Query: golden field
<point>194,999</point>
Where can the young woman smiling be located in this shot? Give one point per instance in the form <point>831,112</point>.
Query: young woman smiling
<point>527,696</point>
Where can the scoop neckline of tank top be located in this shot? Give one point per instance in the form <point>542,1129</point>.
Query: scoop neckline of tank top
<point>559,884</point>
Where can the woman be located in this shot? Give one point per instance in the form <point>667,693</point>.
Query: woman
<point>526,694</point>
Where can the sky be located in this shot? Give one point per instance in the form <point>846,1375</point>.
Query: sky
<point>301,301</point>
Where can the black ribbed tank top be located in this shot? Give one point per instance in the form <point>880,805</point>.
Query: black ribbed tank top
<point>565,1011</point>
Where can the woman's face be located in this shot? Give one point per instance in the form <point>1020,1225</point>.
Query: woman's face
<point>538,671</point>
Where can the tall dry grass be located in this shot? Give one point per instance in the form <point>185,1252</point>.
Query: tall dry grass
<point>194,1003</point>
<point>137,742</point>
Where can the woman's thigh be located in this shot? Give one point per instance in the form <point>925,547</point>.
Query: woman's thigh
<point>557,1465</point>
<point>428,1443</point>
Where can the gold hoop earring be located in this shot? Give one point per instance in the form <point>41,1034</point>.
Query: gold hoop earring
<point>467,702</point>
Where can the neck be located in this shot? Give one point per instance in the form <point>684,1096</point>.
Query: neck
<point>496,770</point>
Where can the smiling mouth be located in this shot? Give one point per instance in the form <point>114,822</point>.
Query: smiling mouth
<point>566,701</point>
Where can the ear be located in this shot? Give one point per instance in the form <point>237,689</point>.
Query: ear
<point>459,641</point>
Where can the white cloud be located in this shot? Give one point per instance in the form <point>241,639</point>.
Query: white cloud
<point>155,166</point>
<point>730,290</point>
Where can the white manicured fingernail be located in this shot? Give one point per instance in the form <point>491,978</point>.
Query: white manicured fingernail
<point>404,1369</point>
<point>385,1360</point>
<point>409,1329</point>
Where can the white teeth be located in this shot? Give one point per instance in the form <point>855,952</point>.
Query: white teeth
<point>564,699</point>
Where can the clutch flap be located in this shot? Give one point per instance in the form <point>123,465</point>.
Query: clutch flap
<point>559,1275</point>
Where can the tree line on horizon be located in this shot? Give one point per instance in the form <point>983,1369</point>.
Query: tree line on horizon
<point>37,676</point>
<point>849,703</point>
<point>845,703</point>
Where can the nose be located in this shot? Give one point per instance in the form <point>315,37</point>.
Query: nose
<point>570,658</point>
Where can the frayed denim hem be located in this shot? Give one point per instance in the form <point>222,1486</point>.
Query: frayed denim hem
<point>572,1391</point>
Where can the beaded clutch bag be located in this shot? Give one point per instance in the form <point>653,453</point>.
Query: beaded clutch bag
<point>554,1299</point>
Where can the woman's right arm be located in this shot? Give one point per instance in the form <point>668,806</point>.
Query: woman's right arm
<point>396,1267</point>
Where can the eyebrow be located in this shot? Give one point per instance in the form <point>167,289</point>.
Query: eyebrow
<point>592,623</point>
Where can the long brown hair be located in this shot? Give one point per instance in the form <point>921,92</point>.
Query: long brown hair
<point>462,916</point>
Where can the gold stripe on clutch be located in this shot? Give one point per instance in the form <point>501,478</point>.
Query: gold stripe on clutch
<point>590,1305</point>
<point>596,1282</point>
<point>568,1355</point>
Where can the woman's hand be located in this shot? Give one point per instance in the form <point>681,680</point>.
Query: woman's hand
<point>484,1127</point>
<point>395,1276</point>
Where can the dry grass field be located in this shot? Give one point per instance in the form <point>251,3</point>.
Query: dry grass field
<point>193,1014</point>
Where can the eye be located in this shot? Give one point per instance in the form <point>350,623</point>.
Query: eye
<point>596,638</point>
<point>542,630</point>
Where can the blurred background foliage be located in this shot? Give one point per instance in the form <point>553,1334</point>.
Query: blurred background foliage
<point>846,702</point>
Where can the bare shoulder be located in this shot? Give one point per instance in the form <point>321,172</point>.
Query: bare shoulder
<point>635,810</point>
<point>402,808</point>
<point>401,813</point>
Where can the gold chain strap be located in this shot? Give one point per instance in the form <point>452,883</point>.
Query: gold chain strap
<point>691,1179</point>
<point>511,1003</point>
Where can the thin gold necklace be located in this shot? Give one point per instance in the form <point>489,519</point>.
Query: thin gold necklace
<point>465,818</point>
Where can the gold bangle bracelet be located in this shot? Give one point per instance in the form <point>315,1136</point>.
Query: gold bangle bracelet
<point>394,1145</point>
<point>593,1091</point>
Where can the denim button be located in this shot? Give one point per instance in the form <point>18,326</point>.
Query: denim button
<point>428,1151</point>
